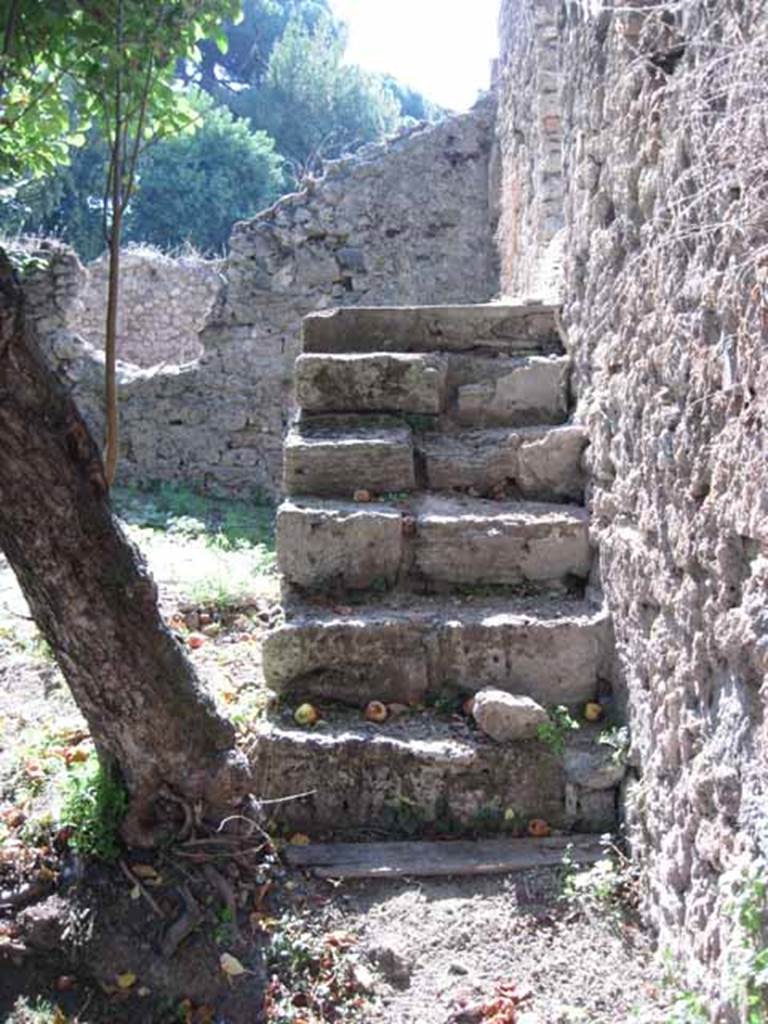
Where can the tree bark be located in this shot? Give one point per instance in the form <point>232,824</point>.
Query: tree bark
<point>95,603</point>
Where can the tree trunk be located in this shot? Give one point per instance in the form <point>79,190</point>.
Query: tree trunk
<point>110,347</point>
<point>95,603</point>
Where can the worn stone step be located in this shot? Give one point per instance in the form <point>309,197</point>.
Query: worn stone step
<point>434,540</point>
<point>406,650</point>
<point>509,391</point>
<point>470,390</point>
<point>334,545</point>
<point>337,456</point>
<point>423,774</point>
<point>536,463</point>
<point>510,329</point>
<point>461,540</point>
<point>376,382</point>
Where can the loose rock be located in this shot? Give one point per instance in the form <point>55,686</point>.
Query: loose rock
<point>505,717</point>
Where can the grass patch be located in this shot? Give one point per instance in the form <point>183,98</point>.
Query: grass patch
<point>211,550</point>
<point>93,806</point>
<point>223,523</point>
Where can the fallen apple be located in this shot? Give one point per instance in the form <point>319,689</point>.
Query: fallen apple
<point>195,640</point>
<point>538,828</point>
<point>593,711</point>
<point>375,711</point>
<point>306,714</point>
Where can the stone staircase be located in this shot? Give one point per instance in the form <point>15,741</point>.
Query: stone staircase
<point>433,544</point>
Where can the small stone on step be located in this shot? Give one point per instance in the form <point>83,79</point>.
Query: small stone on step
<point>506,717</point>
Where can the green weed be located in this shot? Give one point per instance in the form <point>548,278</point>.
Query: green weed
<point>314,977</point>
<point>93,805</point>
<point>173,508</point>
<point>747,908</point>
<point>617,739</point>
<point>41,1011</point>
<point>607,891</point>
<point>33,644</point>
<point>553,733</point>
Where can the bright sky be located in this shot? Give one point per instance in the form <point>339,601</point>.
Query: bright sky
<point>442,48</point>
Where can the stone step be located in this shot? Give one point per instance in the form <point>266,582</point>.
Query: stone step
<point>334,456</point>
<point>474,542</point>
<point>413,648</point>
<point>331,456</point>
<point>423,774</point>
<point>379,382</point>
<point>465,389</point>
<point>510,329</point>
<point>432,541</point>
<point>535,463</point>
<point>508,391</point>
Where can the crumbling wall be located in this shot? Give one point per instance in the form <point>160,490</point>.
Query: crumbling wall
<point>164,304</point>
<point>405,222</point>
<point>663,114</point>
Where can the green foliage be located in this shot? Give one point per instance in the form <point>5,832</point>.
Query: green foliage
<point>78,78</point>
<point>617,738</point>
<point>66,65</point>
<point>313,104</point>
<point>239,53</point>
<point>174,508</point>
<point>94,803</point>
<point>39,1011</point>
<point>192,187</point>
<point>554,732</point>
<point>313,977</point>
<point>65,204</point>
<point>748,950</point>
<point>413,105</point>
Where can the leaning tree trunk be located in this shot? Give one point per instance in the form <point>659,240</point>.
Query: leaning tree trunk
<point>94,601</point>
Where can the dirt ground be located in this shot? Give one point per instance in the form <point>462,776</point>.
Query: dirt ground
<point>84,942</point>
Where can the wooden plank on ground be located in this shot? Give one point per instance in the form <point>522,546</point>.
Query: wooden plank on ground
<point>451,857</point>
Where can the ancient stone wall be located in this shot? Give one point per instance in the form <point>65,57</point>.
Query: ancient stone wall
<point>406,222</point>
<point>660,112</point>
<point>165,302</point>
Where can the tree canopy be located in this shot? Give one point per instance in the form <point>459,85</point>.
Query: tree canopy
<point>312,103</point>
<point>194,185</point>
<point>271,68</point>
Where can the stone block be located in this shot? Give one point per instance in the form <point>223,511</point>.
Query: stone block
<point>397,650</point>
<point>595,767</point>
<point>352,658</point>
<point>507,717</point>
<point>475,542</point>
<point>550,463</point>
<point>333,458</point>
<point>402,776</point>
<point>538,463</point>
<point>524,327</point>
<point>338,544</point>
<point>534,390</point>
<point>550,650</point>
<point>371,383</point>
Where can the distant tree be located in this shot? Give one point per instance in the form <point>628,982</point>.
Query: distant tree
<point>239,54</point>
<point>65,204</point>
<point>313,104</point>
<point>414,104</point>
<point>194,186</point>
